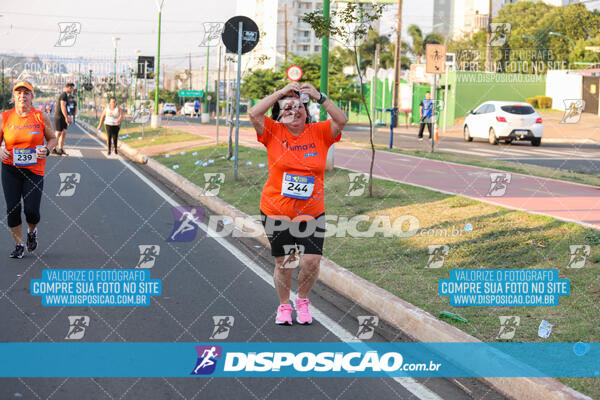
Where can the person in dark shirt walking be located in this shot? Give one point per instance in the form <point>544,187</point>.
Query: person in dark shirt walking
<point>425,112</point>
<point>61,118</point>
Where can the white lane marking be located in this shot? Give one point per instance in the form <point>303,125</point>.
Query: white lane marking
<point>74,153</point>
<point>467,152</point>
<point>417,389</point>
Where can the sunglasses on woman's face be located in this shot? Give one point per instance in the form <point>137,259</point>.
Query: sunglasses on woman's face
<point>288,108</point>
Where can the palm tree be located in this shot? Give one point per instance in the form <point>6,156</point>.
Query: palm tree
<point>417,41</point>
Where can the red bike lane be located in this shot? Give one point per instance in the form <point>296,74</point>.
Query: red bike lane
<point>571,202</point>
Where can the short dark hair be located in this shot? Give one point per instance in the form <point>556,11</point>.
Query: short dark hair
<point>275,110</point>
<point>428,92</point>
<point>70,84</point>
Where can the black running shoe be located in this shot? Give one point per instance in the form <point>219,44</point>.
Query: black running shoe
<point>32,241</point>
<point>18,252</point>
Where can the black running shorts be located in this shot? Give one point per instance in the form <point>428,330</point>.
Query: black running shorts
<point>283,234</point>
<point>60,124</point>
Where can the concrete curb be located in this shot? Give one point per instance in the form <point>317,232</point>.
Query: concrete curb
<point>417,323</point>
<point>124,148</point>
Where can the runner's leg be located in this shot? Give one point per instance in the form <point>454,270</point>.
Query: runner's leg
<point>12,185</point>
<point>309,272</point>
<point>282,277</point>
<point>32,198</point>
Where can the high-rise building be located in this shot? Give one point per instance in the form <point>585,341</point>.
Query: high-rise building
<point>281,30</point>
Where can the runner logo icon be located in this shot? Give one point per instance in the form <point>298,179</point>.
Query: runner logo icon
<point>358,183</point>
<point>68,32</point>
<point>212,34</point>
<point>508,326</point>
<point>499,184</point>
<point>207,359</point>
<point>366,326</point>
<point>292,256</point>
<point>186,222</point>
<point>579,254</point>
<point>573,110</point>
<point>148,254</point>
<point>223,324</point>
<point>213,182</point>
<point>77,325</point>
<point>437,255</point>
<point>68,183</point>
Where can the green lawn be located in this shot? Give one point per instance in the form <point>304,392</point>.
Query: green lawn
<point>500,238</point>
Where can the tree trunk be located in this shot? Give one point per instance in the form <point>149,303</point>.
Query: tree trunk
<point>364,103</point>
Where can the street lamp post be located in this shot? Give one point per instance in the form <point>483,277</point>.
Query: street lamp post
<point>205,114</point>
<point>115,41</point>
<point>564,36</point>
<point>137,53</point>
<point>155,123</point>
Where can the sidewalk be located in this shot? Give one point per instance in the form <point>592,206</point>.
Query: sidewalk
<point>566,201</point>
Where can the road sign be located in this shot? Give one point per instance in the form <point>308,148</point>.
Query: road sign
<point>294,73</point>
<point>146,62</point>
<point>435,56</point>
<point>250,34</point>
<point>191,93</point>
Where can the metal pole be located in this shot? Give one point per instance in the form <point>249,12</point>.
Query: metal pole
<point>445,100</point>
<point>157,72</point>
<point>78,85</point>
<point>324,61</point>
<point>115,76</point>
<point>3,102</point>
<point>374,83</point>
<point>237,102</point>
<point>190,69</point>
<point>397,59</point>
<point>324,80</point>
<point>433,115</point>
<point>285,34</point>
<point>206,83</point>
<point>218,90</point>
<point>488,53</point>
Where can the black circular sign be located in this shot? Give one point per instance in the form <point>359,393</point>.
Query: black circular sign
<point>250,34</point>
<point>88,86</point>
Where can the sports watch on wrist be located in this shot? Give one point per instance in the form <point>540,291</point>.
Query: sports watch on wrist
<point>47,151</point>
<point>322,99</point>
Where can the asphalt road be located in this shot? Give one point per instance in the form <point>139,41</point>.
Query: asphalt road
<point>573,157</point>
<point>116,207</point>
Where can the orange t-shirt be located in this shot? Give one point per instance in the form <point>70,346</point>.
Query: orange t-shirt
<point>24,133</point>
<point>305,155</point>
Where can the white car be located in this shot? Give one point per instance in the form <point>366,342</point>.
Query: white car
<point>188,109</point>
<point>504,120</point>
<point>169,108</point>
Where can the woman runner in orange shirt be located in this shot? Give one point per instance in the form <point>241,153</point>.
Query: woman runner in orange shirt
<point>23,130</point>
<point>292,201</point>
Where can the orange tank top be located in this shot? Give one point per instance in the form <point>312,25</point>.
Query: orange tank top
<point>24,133</point>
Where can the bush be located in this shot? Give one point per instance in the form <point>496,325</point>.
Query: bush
<point>533,101</point>
<point>544,101</point>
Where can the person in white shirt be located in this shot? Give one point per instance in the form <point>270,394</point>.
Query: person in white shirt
<point>111,116</point>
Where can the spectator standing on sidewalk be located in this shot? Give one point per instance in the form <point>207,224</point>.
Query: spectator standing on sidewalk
<point>425,112</point>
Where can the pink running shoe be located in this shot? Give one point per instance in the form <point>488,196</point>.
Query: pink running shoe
<point>302,312</point>
<point>284,315</point>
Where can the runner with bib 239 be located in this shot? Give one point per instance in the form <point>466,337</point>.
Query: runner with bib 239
<point>292,202</point>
